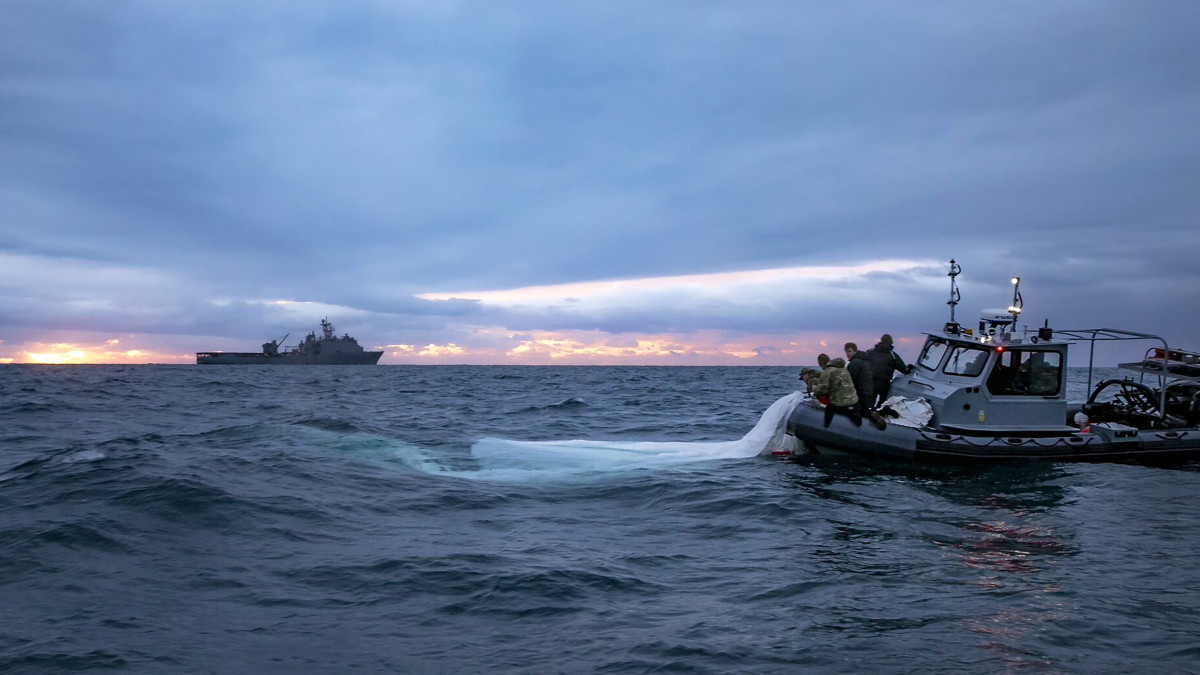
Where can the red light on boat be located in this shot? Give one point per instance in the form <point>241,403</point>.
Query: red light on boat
<point>999,349</point>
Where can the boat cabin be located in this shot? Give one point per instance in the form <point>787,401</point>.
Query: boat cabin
<point>989,384</point>
<point>992,381</point>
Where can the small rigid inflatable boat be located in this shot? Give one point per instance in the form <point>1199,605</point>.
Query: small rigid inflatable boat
<point>990,395</point>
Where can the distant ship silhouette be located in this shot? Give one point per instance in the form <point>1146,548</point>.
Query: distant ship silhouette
<point>327,350</point>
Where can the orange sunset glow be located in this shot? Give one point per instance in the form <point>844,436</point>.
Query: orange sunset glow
<point>71,353</point>
<point>779,290</point>
<point>596,348</point>
<point>494,346</point>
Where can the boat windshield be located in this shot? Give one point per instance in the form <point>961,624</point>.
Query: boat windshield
<point>966,360</point>
<point>1024,372</point>
<point>931,356</point>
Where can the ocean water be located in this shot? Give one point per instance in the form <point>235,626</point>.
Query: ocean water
<point>396,519</point>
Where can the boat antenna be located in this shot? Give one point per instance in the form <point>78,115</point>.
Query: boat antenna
<point>1017,302</point>
<point>955,270</point>
<point>952,327</point>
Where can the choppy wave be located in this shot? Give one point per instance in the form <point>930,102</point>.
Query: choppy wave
<point>467,519</point>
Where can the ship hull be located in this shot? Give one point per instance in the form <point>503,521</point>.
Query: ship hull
<point>259,359</point>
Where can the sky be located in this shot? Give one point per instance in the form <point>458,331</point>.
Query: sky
<point>608,182</point>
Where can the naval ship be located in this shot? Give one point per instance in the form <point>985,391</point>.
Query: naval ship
<point>327,350</point>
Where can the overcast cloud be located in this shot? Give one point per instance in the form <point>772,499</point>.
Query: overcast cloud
<point>589,182</point>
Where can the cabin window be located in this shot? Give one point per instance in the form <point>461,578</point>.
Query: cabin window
<point>968,361</point>
<point>1021,372</point>
<point>931,356</point>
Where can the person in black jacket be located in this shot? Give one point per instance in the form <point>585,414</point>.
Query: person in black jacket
<point>864,385</point>
<point>884,363</point>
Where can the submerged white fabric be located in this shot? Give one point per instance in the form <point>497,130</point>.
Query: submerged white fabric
<point>507,460</point>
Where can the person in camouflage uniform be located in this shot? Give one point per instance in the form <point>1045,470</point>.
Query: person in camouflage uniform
<point>837,384</point>
<point>809,377</point>
<point>814,377</point>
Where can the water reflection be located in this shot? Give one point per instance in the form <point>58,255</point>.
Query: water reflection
<point>1030,486</point>
<point>1006,547</point>
<point>986,545</point>
<point>1011,547</point>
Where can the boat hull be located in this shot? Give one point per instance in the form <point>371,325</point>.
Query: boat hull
<point>257,359</point>
<point>896,442</point>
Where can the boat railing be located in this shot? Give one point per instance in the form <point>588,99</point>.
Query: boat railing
<point>1172,355</point>
<point>1146,366</point>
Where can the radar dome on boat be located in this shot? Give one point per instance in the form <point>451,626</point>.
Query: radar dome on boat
<point>996,317</point>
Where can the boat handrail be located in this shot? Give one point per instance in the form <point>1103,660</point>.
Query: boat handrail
<point>1093,335</point>
<point>1172,355</point>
